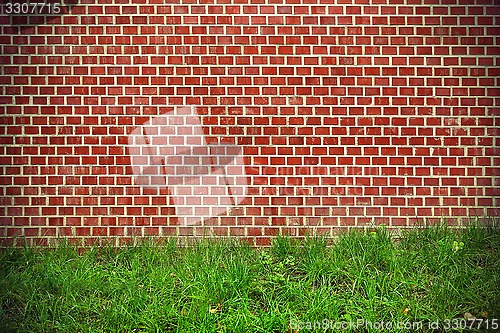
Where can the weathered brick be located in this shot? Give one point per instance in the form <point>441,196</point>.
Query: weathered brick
<point>347,113</point>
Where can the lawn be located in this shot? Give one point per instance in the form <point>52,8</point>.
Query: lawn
<point>362,281</point>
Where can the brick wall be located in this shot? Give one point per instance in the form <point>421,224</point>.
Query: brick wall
<point>348,113</point>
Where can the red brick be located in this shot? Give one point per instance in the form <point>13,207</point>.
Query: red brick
<point>383,108</point>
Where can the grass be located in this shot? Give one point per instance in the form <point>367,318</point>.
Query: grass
<point>429,275</point>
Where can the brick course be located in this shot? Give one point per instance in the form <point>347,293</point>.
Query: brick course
<point>349,113</point>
